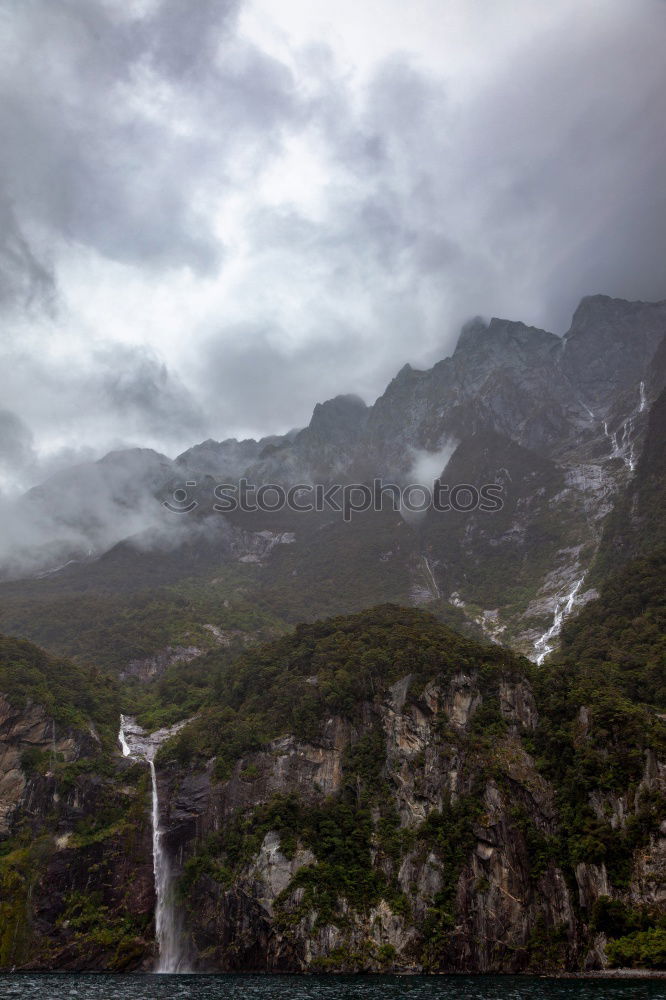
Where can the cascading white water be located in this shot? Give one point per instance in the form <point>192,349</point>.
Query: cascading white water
<point>616,451</point>
<point>642,405</point>
<point>622,440</point>
<point>124,745</point>
<point>168,931</point>
<point>167,927</point>
<point>563,608</point>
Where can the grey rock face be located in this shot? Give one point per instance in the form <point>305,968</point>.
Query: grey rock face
<point>21,730</point>
<point>153,666</point>
<point>50,818</point>
<point>255,914</point>
<point>259,920</point>
<point>609,346</point>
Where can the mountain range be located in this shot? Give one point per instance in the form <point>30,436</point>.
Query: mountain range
<point>556,423</point>
<point>286,742</point>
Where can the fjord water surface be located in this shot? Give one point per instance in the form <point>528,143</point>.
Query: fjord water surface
<point>66,986</point>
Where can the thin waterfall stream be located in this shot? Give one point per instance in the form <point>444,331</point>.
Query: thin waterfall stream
<point>138,745</point>
<point>432,582</point>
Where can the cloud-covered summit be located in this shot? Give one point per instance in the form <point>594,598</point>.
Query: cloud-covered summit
<point>215,214</point>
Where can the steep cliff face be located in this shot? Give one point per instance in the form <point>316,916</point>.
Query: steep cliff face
<point>462,869</point>
<point>419,833</point>
<point>76,885</point>
<point>75,857</point>
<point>373,792</point>
<point>556,423</point>
<point>25,734</point>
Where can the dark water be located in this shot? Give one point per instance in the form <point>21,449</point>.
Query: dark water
<point>107,987</point>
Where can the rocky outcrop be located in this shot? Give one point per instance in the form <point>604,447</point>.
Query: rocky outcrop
<point>76,882</point>
<point>256,546</point>
<point>505,905</point>
<point>648,883</point>
<point>418,834</point>
<point>517,704</point>
<point>592,882</point>
<point>28,734</point>
<point>153,666</point>
<point>502,905</point>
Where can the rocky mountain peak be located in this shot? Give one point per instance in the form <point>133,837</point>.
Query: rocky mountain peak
<point>471,333</point>
<point>124,456</point>
<point>404,372</point>
<point>340,416</point>
<point>501,338</point>
<point>610,344</point>
<point>596,311</point>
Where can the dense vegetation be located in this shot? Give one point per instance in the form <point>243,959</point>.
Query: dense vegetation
<point>71,694</point>
<point>112,627</point>
<point>329,667</point>
<point>591,738</point>
<point>596,724</point>
<point>619,640</point>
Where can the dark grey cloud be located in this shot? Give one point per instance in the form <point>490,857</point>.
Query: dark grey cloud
<point>545,184</point>
<point>334,225</point>
<point>569,151</point>
<point>119,128</point>
<point>88,150</point>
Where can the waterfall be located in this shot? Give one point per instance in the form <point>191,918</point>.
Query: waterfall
<point>137,745</point>
<point>622,440</point>
<point>563,608</point>
<point>124,745</point>
<point>167,927</point>
<point>642,405</point>
<point>430,576</point>
<point>616,451</point>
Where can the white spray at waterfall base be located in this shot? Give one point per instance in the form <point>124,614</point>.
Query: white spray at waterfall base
<point>139,745</point>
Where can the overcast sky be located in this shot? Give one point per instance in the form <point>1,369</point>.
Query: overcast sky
<point>215,213</point>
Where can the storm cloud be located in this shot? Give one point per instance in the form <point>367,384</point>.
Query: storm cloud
<point>214,214</point>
